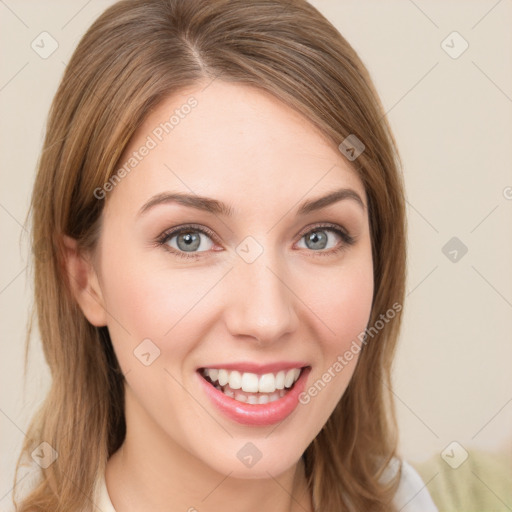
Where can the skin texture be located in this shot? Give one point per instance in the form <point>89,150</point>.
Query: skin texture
<point>245,148</point>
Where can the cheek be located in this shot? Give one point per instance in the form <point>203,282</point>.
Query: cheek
<point>152,312</point>
<point>147,302</point>
<point>343,306</point>
<point>342,299</point>
<point>351,301</point>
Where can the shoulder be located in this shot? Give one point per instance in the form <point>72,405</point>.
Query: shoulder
<point>412,494</point>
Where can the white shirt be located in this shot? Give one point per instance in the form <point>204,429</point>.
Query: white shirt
<point>411,496</point>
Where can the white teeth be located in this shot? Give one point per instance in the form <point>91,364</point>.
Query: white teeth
<point>267,383</point>
<point>223,377</point>
<point>241,397</point>
<point>288,380</point>
<point>235,380</point>
<point>251,382</point>
<point>252,399</point>
<point>279,380</point>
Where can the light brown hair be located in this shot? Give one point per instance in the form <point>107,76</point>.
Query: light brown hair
<point>137,53</point>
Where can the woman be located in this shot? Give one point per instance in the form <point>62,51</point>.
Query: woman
<point>221,211</point>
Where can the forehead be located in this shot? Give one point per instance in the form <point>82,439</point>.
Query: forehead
<point>233,142</point>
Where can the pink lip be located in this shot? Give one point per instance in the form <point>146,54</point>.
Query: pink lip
<point>259,369</point>
<point>257,414</point>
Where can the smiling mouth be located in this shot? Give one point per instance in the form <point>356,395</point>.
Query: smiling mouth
<point>252,388</point>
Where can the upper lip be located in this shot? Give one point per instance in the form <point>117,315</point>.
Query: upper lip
<point>256,367</point>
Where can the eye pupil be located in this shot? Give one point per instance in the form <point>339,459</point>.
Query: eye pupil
<point>191,240</point>
<point>318,238</point>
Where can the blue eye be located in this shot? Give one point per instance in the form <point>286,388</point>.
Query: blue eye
<point>318,238</point>
<point>187,240</point>
<point>191,240</point>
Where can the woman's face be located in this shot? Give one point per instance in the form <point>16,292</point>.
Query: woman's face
<point>263,279</point>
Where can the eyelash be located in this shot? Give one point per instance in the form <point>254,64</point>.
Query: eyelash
<point>167,235</point>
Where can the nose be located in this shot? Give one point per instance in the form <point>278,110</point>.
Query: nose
<point>261,304</point>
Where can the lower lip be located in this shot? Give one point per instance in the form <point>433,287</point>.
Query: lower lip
<point>257,414</point>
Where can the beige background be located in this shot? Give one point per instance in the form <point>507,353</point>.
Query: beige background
<point>453,122</point>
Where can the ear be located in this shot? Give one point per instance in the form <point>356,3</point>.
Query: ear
<point>84,283</point>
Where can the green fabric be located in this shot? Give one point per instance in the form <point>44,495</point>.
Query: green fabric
<point>482,483</point>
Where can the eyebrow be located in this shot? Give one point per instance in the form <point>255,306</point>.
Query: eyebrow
<point>216,207</point>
